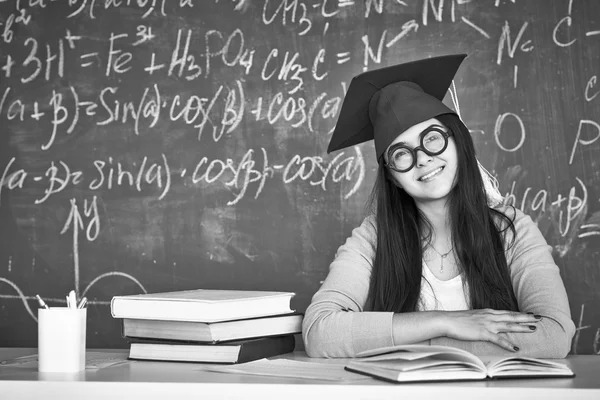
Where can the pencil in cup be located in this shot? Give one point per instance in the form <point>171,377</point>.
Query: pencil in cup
<point>41,302</point>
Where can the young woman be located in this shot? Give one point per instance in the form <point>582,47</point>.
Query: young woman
<point>438,261</point>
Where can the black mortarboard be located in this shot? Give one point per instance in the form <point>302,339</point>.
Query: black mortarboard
<point>383,103</point>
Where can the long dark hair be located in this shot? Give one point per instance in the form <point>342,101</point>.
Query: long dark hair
<point>478,234</point>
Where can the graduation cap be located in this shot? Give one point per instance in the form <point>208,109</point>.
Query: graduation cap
<point>383,103</point>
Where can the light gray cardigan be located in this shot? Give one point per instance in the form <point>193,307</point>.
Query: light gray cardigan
<point>330,332</point>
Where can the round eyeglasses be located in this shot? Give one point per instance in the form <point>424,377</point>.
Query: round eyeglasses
<point>402,158</point>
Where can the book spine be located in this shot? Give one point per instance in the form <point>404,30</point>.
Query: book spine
<point>269,347</point>
<point>112,307</point>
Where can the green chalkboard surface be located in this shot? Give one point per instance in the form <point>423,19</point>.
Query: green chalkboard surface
<point>153,145</point>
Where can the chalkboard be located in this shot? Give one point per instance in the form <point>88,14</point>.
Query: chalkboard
<point>153,145</point>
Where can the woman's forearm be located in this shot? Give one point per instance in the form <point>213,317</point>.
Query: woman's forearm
<point>416,327</point>
<point>550,340</point>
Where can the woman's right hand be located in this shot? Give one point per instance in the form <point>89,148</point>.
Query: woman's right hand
<point>488,325</point>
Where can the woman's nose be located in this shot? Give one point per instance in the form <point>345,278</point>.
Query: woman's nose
<point>422,158</point>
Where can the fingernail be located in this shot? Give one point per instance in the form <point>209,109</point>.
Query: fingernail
<point>538,316</point>
<point>516,348</point>
<point>532,327</point>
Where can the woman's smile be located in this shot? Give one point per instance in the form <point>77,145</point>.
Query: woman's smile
<point>431,175</point>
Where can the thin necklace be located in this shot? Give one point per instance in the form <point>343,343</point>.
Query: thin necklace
<point>442,256</point>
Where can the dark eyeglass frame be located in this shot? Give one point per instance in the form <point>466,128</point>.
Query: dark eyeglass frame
<point>437,128</point>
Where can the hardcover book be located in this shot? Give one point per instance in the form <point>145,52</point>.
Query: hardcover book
<point>202,305</point>
<point>215,331</point>
<point>237,351</point>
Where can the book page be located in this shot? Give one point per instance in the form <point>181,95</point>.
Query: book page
<point>433,355</point>
<point>430,364</point>
<point>397,355</point>
<point>290,369</point>
<point>524,366</point>
<point>433,373</point>
<point>94,360</point>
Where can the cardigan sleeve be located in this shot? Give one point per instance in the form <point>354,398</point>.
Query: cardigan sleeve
<point>335,324</point>
<point>539,289</point>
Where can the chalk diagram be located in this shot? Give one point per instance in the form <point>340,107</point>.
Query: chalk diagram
<point>75,224</point>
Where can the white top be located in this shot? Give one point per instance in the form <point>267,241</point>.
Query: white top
<point>450,295</point>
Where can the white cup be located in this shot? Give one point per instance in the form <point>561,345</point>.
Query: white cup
<point>61,339</point>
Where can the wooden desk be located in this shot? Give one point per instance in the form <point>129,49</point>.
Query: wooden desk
<point>174,381</point>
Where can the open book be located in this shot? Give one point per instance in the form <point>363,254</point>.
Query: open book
<point>418,363</point>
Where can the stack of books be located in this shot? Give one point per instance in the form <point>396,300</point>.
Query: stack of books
<point>216,326</point>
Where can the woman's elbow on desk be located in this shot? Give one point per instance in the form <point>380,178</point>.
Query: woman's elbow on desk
<point>543,349</point>
<point>324,341</point>
<point>557,341</point>
<point>312,347</point>
<point>311,339</point>
<point>551,340</point>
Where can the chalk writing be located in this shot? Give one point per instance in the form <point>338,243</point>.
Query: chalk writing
<point>195,118</point>
<point>592,126</point>
<point>506,41</point>
<point>578,330</point>
<point>293,10</point>
<point>297,111</point>
<point>498,131</point>
<point>148,6</point>
<point>589,87</point>
<point>112,174</point>
<point>568,208</point>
